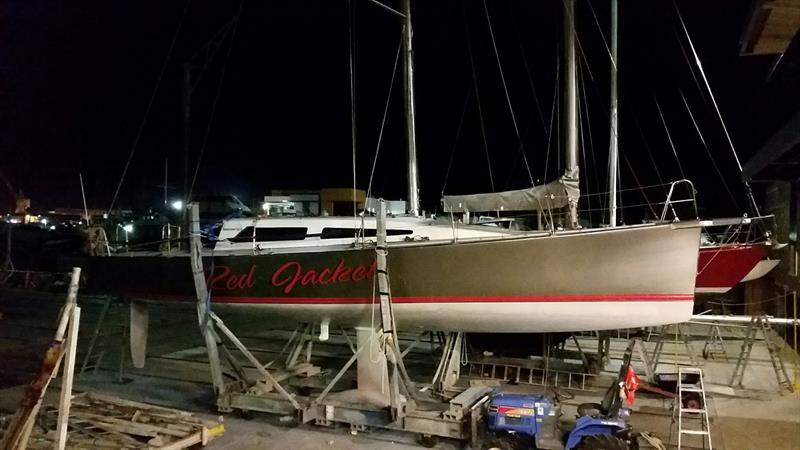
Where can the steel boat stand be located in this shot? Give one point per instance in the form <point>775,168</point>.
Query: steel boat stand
<point>385,396</point>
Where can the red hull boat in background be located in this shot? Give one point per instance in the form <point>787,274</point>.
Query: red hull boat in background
<point>721,267</point>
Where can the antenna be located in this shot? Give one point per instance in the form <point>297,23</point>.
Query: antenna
<point>166,173</point>
<point>83,195</point>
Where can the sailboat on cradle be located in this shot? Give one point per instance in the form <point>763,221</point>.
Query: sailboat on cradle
<point>446,276</point>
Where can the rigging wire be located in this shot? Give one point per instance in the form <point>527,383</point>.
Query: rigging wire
<point>640,188</point>
<point>585,177</point>
<point>639,129</point>
<point>212,114</point>
<point>708,151</point>
<point>505,90</point>
<point>685,55</point>
<point>351,34</point>
<point>559,130</point>
<point>552,119</point>
<point>594,83</point>
<point>455,141</point>
<point>149,106</point>
<point>580,114</point>
<point>477,95</point>
<point>772,69</point>
<point>614,116</point>
<point>601,99</point>
<point>669,138</point>
<point>602,36</point>
<point>716,108</point>
<point>591,139</point>
<point>385,112</point>
<point>585,60</point>
<point>528,71</point>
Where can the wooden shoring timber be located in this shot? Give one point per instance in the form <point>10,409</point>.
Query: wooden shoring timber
<point>101,421</point>
<point>21,424</point>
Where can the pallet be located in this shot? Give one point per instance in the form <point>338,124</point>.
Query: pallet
<point>100,421</point>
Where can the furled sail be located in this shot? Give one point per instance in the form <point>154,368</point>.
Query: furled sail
<point>554,195</point>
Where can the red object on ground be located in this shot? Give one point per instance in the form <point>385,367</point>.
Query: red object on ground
<point>631,385</point>
<point>721,267</point>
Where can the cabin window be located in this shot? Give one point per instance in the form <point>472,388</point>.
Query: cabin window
<point>344,233</point>
<point>266,234</point>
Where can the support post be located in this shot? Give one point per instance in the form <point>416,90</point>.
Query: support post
<point>451,356</point>
<point>252,359</point>
<point>371,369</point>
<point>206,325</point>
<point>65,400</point>
<point>391,347</point>
<point>387,314</point>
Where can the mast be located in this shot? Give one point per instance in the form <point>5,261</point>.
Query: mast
<point>570,109</point>
<point>187,127</point>
<point>613,149</point>
<point>409,107</point>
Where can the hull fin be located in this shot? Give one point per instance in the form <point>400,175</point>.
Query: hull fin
<point>140,319</point>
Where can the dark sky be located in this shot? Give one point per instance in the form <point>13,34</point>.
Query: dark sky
<point>76,79</point>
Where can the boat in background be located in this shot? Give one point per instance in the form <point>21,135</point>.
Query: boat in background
<point>737,255</point>
<point>721,267</point>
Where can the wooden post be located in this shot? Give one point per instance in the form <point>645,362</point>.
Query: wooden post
<point>65,401</point>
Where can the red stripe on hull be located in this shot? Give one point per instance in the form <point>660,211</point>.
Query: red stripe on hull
<point>725,266</point>
<point>458,299</point>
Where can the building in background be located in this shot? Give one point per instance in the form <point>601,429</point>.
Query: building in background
<point>324,202</point>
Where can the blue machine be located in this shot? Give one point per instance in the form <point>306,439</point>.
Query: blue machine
<point>526,418</point>
<point>518,419</point>
<point>594,426</point>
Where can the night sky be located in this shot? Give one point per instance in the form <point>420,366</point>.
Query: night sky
<point>76,79</point>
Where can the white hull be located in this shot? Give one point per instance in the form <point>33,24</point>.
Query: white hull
<point>486,317</point>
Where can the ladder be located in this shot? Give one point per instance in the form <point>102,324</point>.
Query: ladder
<point>771,340</point>
<point>774,346</point>
<point>714,345</point>
<point>696,414</point>
<point>97,345</point>
<point>663,335</point>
